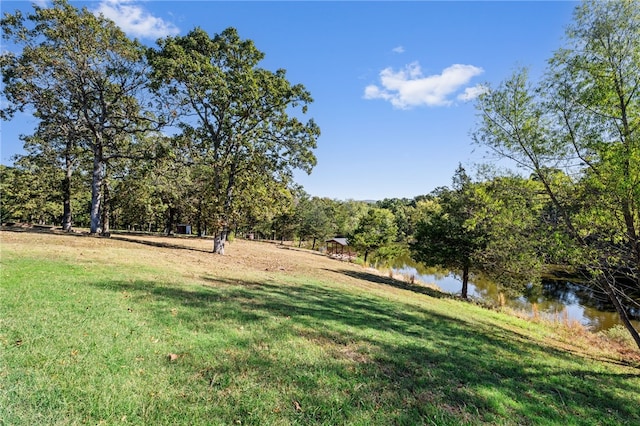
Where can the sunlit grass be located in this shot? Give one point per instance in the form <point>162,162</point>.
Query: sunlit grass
<point>118,338</point>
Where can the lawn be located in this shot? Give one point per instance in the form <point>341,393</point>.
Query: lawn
<point>151,330</point>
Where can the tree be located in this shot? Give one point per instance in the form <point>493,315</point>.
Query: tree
<point>78,73</point>
<point>376,229</point>
<point>586,109</point>
<point>509,210</point>
<point>266,205</point>
<point>347,214</point>
<point>490,228</point>
<point>402,209</point>
<point>315,218</point>
<point>236,114</point>
<point>139,189</point>
<point>448,236</point>
<point>56,143</point>
<point>30,192</point>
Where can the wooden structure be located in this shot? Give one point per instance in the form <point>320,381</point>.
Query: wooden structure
<point>336,247</point>
<point>183,229</point>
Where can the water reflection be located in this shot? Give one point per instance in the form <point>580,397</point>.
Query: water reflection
<point>555,300</point>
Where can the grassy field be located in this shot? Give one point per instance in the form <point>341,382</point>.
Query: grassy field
<point>159,331</point>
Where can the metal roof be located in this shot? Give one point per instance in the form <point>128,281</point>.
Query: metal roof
<point>341,241</point>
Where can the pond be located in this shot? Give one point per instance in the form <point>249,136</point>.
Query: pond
<point>560,300</point>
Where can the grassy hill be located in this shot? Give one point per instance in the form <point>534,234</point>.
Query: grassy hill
<point>149,330</point>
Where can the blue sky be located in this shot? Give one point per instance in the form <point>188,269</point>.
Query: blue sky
<point>393,82</point>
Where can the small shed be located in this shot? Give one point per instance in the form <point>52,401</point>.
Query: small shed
<point>336,247</point>
<point>183,229</point>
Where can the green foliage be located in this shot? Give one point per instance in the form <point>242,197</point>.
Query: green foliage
<point>9,210</point>
<point>377,229</point>
<point>82,78</point>
<point>576,132</point>
<point>315,217</point>
<point>509,209</point>
<point>30,194</point>
<point>243,135</point>
<point>347,214</point>
<point>494,228</point>
<point>448,235</point>
<point>403,210</point>
<point>86,83</point>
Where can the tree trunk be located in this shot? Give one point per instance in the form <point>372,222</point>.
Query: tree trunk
<point>465,281</point>
<point>170,220</point>
<point>106,208</point>
<point>96,190</point>
<point>313,246</point>
<point>609,288</point>
<point>66,201</point>
<point>219,241</point>
<point>199,218</point>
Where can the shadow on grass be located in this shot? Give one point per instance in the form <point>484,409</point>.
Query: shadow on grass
<point>384,361</point>
<point>148,242</point>
<point>51,230</point>
<point>56,231</point>
<point>380,279</point>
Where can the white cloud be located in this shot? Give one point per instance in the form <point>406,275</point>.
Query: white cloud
<point>398,49</point>
<point>134,20</point>
<point>408,87</point>
<point>470,93</point>
<point>41,3</point>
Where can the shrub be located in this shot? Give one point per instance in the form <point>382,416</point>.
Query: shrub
<point>619,334</point>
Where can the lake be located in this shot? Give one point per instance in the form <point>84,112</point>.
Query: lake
<point>558,299</point>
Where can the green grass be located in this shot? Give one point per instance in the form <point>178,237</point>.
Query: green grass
<point>87,343</point>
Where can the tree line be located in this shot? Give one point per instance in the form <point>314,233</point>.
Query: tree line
<point>102,154</point>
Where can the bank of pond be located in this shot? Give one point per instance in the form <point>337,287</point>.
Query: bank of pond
<point>554,299</point>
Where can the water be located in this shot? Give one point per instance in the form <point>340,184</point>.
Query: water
<point>556,300</point>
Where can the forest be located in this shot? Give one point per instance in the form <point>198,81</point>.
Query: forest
<point>193,131</point>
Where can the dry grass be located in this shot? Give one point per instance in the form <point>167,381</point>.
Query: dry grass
<point>190,257</point>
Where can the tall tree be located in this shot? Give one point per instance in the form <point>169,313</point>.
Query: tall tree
<point>448,236</point>
<point>347,214</point>
<point>316,219</point>
<point>376,229</point>
<point>236,114</point>
<point>586,109</point>
<point>56,144</point>
<point>509,210</point>
<point>78,68</point>
<point>134,190</point>
<point>402,210</point>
